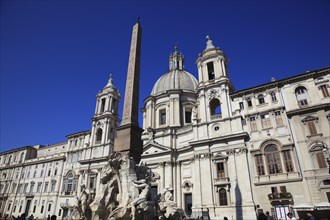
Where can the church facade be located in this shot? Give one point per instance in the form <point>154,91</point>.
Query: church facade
<point>224,152</point>
<point>236,153</point>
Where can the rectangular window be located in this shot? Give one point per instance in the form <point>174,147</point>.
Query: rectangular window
<point>42,209</point>
<point>288,161</point>
<point>210,70</point>
<point>188,203</point>
<point>187,116</point>
<point>19,188</point>
<point>273,163</point>
<point>221,170</point>
<point>274,190</point>
<point>34,208</point>
<point>260,165</point>
<point>278,118</point>
<point>324,90</point>
<point>46,187</point>
<point>39,187</point>
<point>25,187</point>
<point>241,105</point>
<point>31,188</point>
<point>249,102</point>
<point>49,207</point>
<point>162,117</point>
<point>303,102</point>
<point>52,188</point>
<point>261,99</point>
<point>253,123</point>
<point>223,197</point>
<point>311,128</point>
<point>13,188</point>
<point>273,96</point>
<point>59,212</point>
<point>265,120</point>
<point>102,105</point>
<point>283,189</point>
<point>92,182</point>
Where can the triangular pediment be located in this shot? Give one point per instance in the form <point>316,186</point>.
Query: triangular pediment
<point>309,118</point>
<point>155,148</point>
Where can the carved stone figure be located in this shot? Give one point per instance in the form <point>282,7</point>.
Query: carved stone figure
<point>84,201</point>
<point>167,207</point>
<point>118,194</point>
<point>141,201</point>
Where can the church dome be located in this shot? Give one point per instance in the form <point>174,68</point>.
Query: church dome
<point>176,78</point>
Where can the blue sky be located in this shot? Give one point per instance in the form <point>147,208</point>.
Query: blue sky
<point>56,55</point>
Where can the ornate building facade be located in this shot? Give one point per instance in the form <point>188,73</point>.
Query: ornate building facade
<point>224,152</point>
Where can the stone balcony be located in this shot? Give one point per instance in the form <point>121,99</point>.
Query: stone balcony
<point>221,181</point>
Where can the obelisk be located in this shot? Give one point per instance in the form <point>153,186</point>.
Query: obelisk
<point>128,137</point>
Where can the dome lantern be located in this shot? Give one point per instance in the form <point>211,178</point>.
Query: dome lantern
<point>176,60</point>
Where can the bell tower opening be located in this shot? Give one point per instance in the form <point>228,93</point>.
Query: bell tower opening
<point>210,70</point>
<point>215,107</point>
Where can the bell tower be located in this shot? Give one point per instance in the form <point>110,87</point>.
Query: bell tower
<point>212,64</point>
<point>214,84</point>
<point>105,118</point>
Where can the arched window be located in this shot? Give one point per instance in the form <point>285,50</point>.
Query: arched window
<point>223,197</point>
<point>317,152</point>
<point>273,159</point>
<point>99,135</point>
<point>215,107</point>
<point>69,183</point>
<point>261,99</point>
<point>301,96</point>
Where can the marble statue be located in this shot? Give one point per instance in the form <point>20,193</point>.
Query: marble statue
<point>167,207</point>
<point>124,193</point>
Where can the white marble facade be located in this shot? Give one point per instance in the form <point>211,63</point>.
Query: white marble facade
<point>224,152</point>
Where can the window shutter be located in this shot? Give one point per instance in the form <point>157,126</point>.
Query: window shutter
<point>321,160</point>
<point>312,128</point>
